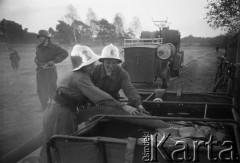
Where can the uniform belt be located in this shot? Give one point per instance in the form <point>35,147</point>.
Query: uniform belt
<point>61,99</point>
<point>46,67</point>
<point>64,102</point>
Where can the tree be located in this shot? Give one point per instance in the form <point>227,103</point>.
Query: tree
<point>64,33</point>
<point>52,32</point>
<point>92,22</point>
<point>106,31</point>
<point>71,16</point>
<point>12,31</point>
<point>118,22</point>
<point>130,33</point>
<point>83,32</point>
<point>91,16</point>
<point>135,26</point>
<point>223,14</point>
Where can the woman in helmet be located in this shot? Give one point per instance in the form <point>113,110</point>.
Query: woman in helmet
<point>75,89</point>
<point>47,55</point>
<point>110,77</point>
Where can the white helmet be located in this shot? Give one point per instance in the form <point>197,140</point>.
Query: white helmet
<point>82,56</point>
<point>110,52</point>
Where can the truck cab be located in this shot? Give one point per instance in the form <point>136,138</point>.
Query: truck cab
<point>151,60</point>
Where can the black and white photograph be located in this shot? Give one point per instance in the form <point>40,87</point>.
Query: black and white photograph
<point>119,81</point>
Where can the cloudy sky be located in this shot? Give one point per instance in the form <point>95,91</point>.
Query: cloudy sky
<point>187,16</point>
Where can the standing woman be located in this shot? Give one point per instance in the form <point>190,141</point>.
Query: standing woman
<point>47,55</point>
<point>73,92</point>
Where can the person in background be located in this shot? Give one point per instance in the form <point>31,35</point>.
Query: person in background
<point>110,77</point>
<point>217,49</point>
<point>47,55</point>
<point>73,92</point>
<point>15,58</point>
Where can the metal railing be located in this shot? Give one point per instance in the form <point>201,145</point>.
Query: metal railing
<point>140,42</point>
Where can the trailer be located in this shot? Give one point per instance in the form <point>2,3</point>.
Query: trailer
<point>181,118</point>
<point>184,126</point>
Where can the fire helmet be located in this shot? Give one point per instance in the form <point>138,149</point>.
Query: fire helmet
<point>110,52</point>
<point>82,56</point>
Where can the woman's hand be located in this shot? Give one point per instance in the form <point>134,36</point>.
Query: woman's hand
<point>131,110</point>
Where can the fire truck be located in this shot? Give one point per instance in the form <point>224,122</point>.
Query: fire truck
<point>156,56</point>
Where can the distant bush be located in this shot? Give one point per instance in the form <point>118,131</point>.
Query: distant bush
<point>205,41</point>
<point>12,32</point>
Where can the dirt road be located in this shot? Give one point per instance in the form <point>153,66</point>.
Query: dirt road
<point>18,98</point>
<point>199,70</point>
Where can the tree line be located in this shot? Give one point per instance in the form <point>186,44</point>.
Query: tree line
<point>224,15</point>
<point>12,32</point>
<point>71,29</point>
<point>220,41</point>
<point>105,32</point>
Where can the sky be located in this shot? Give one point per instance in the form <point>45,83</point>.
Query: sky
<point>187,16</point>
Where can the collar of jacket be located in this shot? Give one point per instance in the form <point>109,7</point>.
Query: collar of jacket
<point>103,73</point>
<point>49,45</point>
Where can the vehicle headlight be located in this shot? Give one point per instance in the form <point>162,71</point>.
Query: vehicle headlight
<point>164,51</point>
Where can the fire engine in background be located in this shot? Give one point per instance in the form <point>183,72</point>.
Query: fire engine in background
<point>156,55</point>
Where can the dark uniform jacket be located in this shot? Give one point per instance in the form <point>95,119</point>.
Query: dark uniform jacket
<point>50,52</point>
<point>119,79</point>
<point>79,87</point>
